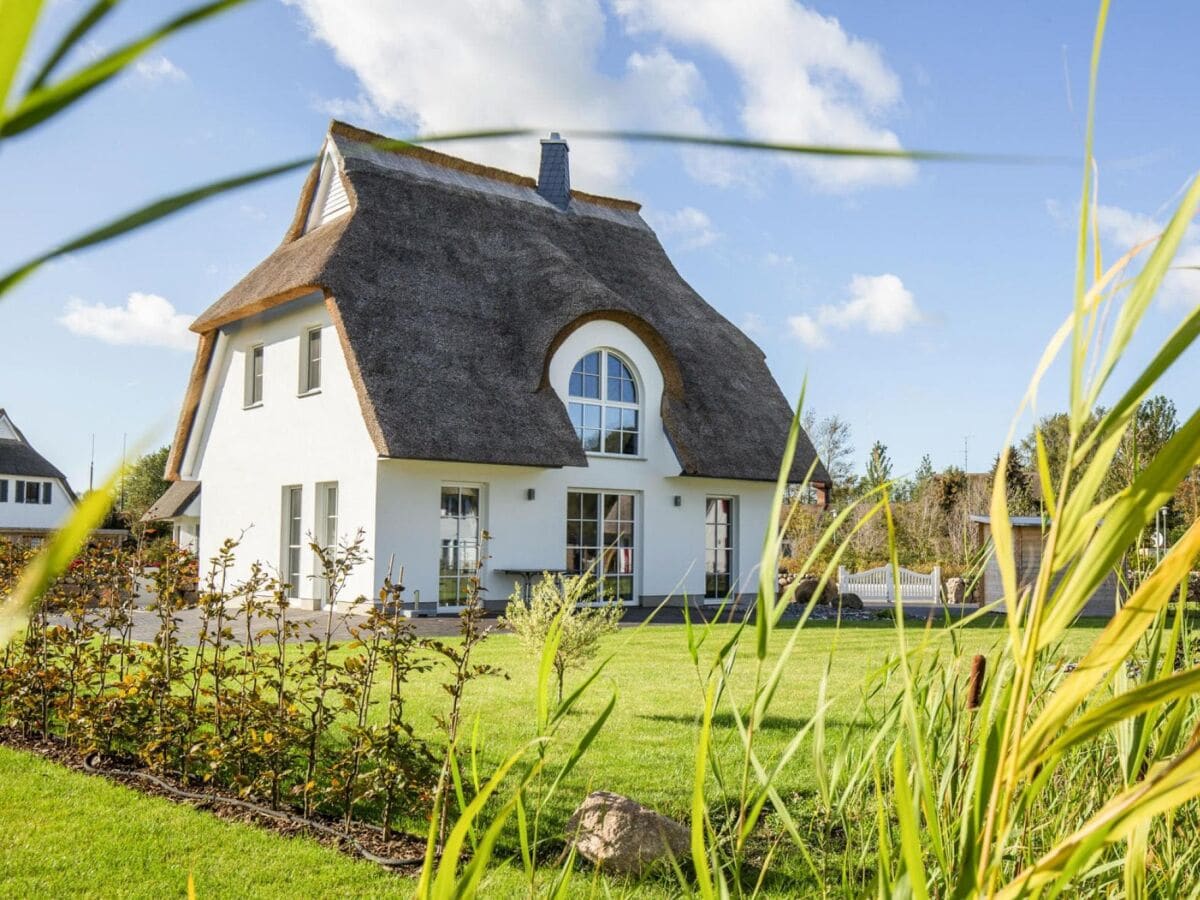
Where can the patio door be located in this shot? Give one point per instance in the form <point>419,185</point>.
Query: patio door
<point>720,576</point>
<point>601,530</point>
<point>459,537</point>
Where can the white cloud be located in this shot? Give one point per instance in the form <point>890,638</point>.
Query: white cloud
<point>878,304</point>
<point>434,67</point>
<point>689,227</point>
<point>359,110</point>
<point>1123,229</point>
<point>802,78</point>
<point>805,328</point>
<point>146,320</point>
<point>754,325</point>
<point>158,68</point>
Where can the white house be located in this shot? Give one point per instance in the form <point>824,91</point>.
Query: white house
<point>439,349</point>
<point>34,495</point>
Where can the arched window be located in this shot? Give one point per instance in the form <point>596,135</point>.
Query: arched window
<point>603,403</point>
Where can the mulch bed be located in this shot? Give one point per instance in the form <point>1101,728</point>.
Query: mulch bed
<point>403,853</point>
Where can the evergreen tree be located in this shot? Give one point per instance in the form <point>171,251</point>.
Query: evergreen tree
<point>924,471</point>
<point>879,466</point>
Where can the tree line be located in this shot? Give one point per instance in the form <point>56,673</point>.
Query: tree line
<point>932,509</point>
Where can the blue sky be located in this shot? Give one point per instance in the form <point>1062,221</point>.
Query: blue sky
<point>916,298</point>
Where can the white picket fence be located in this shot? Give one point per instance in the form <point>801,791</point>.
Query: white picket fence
<point>878,584</point>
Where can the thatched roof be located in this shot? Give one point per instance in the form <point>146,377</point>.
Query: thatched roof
<point>173,502</point>
<point>17,457</point>
<point>451,285</point>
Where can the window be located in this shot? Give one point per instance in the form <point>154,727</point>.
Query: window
<point>46,492</point>
<point>20,492</point>
<point>603,404</point>
<point>326,531</point>
<point>254,375</point>
<point>600,537</point>
<point>718,542</point>
<point>292,538</point>
<point>459,543</point>
<point>327,514</point>
<point>3,490</point>
<point>310,361</point>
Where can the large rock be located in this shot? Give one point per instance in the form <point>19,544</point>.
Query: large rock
<point>808,587</point>
<point>620,835</point>
<point>850,601</point>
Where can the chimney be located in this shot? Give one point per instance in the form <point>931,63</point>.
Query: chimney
<point>554,176</point>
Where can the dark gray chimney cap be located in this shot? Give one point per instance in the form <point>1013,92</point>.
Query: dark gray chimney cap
<point>554,175</point>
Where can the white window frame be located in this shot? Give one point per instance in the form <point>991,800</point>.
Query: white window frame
<point>459,577</point>
<point>599,570</point>
<point>325,530</point>
<point>604,403</point>
<point>291,547</point>
<point>252,395</point>
<point>307,385</point>
<point>710,549</point>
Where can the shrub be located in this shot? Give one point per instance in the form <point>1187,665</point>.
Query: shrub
<point>558,603</point>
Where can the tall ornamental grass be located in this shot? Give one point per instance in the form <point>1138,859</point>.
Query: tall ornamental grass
<point>1018,773</point>
<point>1015,774</point>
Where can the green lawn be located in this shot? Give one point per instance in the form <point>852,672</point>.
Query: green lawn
<point>70,834</point>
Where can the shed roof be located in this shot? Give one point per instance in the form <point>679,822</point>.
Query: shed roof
<point>173,502</point>
<point>1017,521</point>
<point>451,284</point>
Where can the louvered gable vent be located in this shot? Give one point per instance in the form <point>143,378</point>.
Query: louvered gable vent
<point>330,199</point>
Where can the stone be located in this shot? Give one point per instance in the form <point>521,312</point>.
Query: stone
<point>620,835</point>
<point>956,590</point>
<point>808,587</point>
<point>850,601</point>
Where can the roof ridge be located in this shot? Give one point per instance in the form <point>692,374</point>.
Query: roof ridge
<point>456,163</point>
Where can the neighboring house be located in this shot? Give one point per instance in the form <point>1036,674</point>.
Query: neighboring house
<point>439,349</point>
<point>34,495</point>
<point>179,505</point>
<point>1029,543</point>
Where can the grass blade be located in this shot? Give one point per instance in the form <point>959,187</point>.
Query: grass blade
<point>39,105</point>
<point>54,559</point>
<point>85,23</point>
<point>19,18</point>
<point>159,209</point>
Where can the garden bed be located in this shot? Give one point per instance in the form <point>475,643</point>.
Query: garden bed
<point>402,853</point>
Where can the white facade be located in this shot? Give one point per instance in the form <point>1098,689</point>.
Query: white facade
<point>33,516</point>
<point>248,456</point>
<point>245,455</point>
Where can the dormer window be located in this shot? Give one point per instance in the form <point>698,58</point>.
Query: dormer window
<point>603,404</point>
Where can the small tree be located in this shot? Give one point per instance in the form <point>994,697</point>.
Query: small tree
<point>141,486</point>
<point>581,626</point>
<point>879,465</point>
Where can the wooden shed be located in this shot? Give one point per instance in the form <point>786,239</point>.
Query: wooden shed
<point>1029,541</point>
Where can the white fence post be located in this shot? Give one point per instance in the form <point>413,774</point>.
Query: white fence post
<point>937,584</point>
<point>842,581</point>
